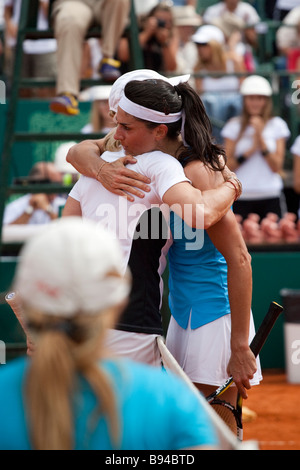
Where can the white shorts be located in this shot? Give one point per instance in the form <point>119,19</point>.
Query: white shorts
<point>140,347</point>
<point>204,353</point>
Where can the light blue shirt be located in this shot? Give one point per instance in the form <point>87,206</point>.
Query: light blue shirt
<point>197,277</point>
<point>156,409</point>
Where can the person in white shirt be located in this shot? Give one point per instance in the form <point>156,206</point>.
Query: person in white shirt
<point>242,10</point>
<point>295,150</point>
<point>152,135</point>
<point>228,11</point>
<point>38,208</point>
<point>39,54</point>
<point>283,7</point>
<point>255,144</point>
<point>288,35</point>
<point>186,21</point>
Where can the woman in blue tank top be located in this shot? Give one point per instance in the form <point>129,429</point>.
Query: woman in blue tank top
<point>210,293</point>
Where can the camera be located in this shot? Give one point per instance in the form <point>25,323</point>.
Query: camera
<point>161,23</point>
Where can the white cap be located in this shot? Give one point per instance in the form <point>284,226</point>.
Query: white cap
<point>186,15</point>
<point>207,33</point>
<point>142,74</point>
<point>60,161</point>
<point>145,6</point>
<point>72,266</point>
<point>100,92</point>
<point>256,85</point>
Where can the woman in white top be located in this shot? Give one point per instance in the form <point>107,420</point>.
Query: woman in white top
<point>220,94</point>
<point>255,144</point>
<point>295,149</point>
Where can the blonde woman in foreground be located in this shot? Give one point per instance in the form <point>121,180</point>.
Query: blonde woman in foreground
<point>72,393</point>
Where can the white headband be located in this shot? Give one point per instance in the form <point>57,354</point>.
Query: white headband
<point>147,114</point>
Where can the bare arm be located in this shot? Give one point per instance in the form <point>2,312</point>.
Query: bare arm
<point>297,173</point>
<point>115,177</point>
<point>200,209</point>
<point>227,238</point>
<point>72,208</point>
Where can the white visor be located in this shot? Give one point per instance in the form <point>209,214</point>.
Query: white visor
<point>147,114</point>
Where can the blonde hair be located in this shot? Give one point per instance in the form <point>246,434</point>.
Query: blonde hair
<point>110,144</point>
<point>266,115</point>
<point>66,348</point>
<point>218,58</point>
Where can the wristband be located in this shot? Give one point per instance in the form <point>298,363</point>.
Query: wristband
<point>241,159</point>
<point>238,188</point>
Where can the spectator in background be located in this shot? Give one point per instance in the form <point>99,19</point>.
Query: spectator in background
<point>282,8</point>
<point>295,150</point>
<point>101,122</point>
<point>186,21</point>
<point>241,14</point>
<point>255,144</point>
<point>158,39</point>
<point>37,208</point>
<point>219,94</point>
<point>181,3</point>
<point>2,27</point>
<point>72,20</point>
<point>288,39</point>
<point>39,59</point>
<point>143,7</point>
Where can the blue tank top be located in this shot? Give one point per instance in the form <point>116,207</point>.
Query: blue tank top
<point>197,276</point>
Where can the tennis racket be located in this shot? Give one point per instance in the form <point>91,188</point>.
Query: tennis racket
<point>14,302</point>
<point>230,414</point>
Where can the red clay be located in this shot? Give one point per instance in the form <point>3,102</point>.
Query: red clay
<point>276,403</point>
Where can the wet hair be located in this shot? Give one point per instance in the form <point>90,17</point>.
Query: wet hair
<point>160,95</point>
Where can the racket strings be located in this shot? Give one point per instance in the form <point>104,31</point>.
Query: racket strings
<point>227,413</point>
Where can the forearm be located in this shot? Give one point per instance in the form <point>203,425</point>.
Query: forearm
<point>217,202</point>
<point>240,296</point>
<point>296,173</point>
<point>169,56</point>
<point>85,157</point>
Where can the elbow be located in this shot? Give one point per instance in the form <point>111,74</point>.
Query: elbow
<point>245,260</point>
<point>208,220</point>
<point>211,217</point>
<point>297,187</point>
<point>70,156</point>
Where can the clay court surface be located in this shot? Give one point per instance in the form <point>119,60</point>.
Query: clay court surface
<point>277,405</point>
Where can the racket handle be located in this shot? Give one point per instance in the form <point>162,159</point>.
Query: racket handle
<point>266,326</point>
<point>13,301</point>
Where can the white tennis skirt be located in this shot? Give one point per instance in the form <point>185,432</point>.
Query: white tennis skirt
<point>140,347</point>
<point>204,353</point>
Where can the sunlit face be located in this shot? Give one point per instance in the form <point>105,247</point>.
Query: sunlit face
<point>204,51</point>
<point>255,104</point>
<point>135,137</point>
<point>231,4</point>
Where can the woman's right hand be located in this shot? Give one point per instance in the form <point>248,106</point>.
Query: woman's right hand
<point>118,179</point>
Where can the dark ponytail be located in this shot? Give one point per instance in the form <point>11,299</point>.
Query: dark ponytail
<point>198,131</point>
<point>161,96</point>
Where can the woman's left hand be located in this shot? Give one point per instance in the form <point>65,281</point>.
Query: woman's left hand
<point>118,179</point>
